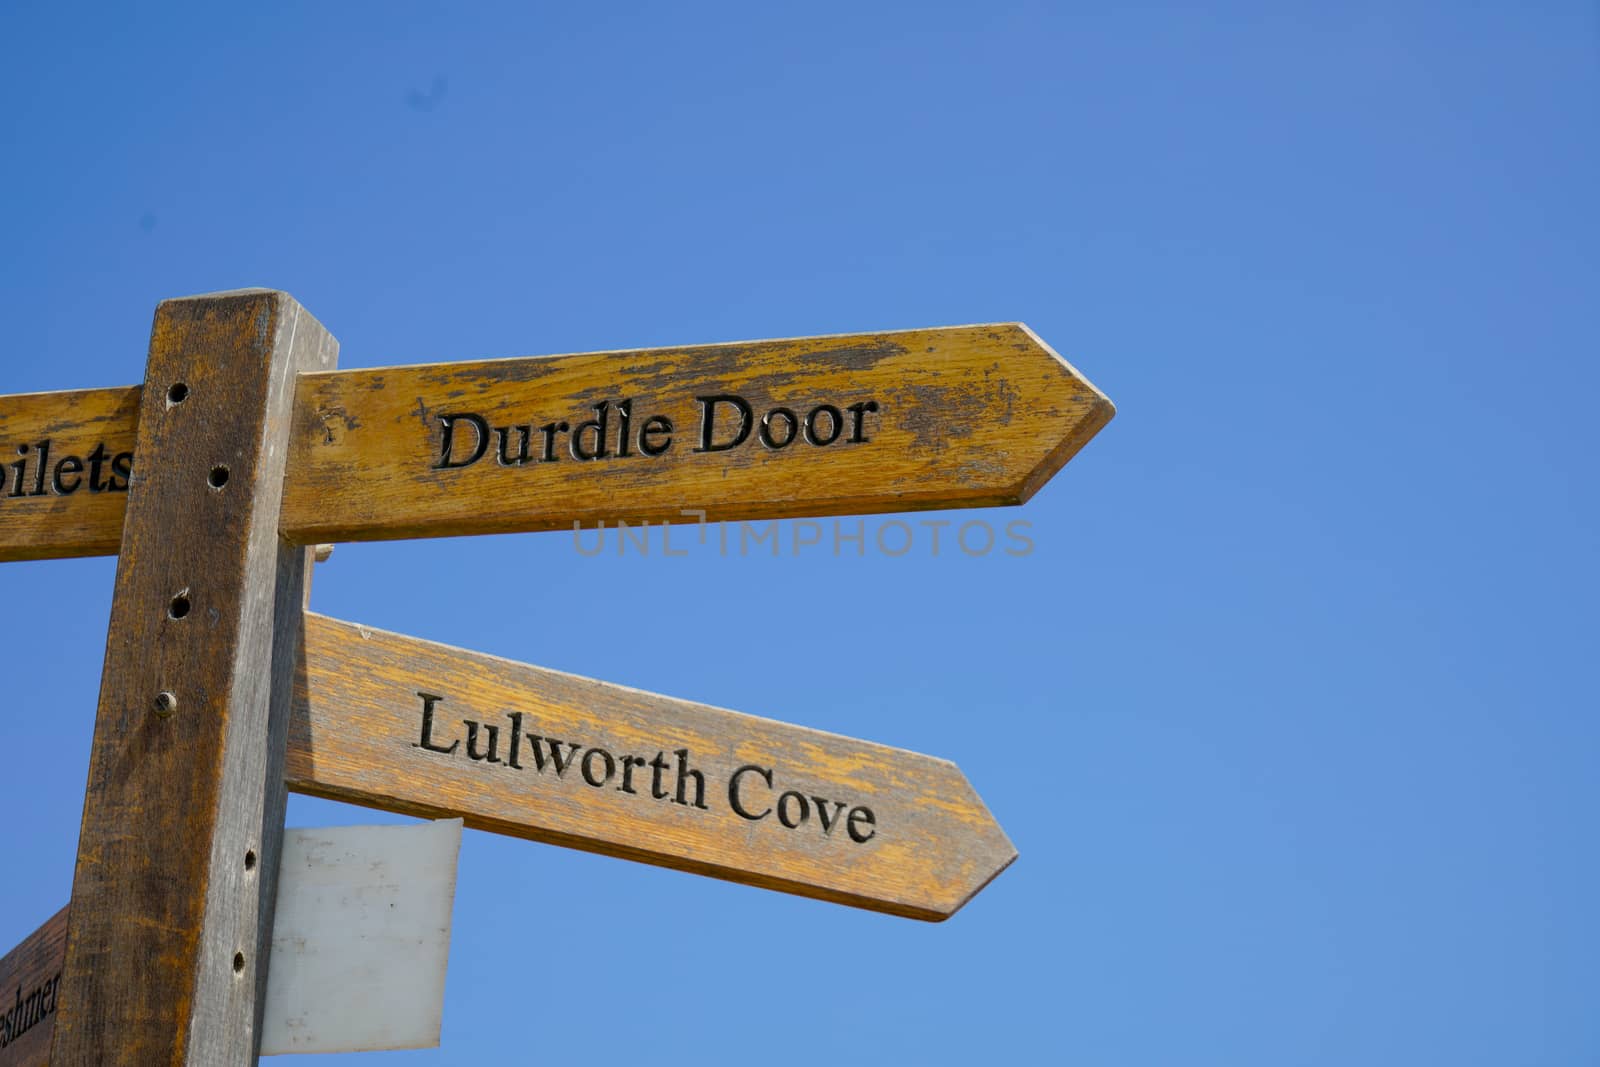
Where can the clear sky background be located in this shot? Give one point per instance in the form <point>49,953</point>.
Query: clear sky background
<point>1291,713</point>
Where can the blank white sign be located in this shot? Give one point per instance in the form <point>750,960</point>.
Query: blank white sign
<point>361,938</point>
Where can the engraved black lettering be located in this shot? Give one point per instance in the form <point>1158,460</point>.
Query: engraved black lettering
<point>835,424</point>
<point>121,466</point>
<point>472,742</point>
<point>783,809</point>
<point>43,461</point>
<point>628,764</point>
<point>20,468</point>
<point>556,759</point>
<point>857,433</point>
<point>827,819</point>
<point>588,767</point>
<point>864,816</point>
<point>97,457</point>
<point>792,426</point>
<point>515,734</point>
<point>658,767</point>
<point>447,441</point>
<point>68,465</point>
<point>684,774</point>
<point>654,426</point>
<point>549,430</point>
<point>734,797</point>
<point>597,424</point>
<point>503,451</point>
<point>28,1012</point>
<point>624,421</point>
<point>708,420</point>
<point>426,740</point>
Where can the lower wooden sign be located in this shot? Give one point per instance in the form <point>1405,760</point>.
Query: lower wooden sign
<point>415,727</point>
<point>30,979</point>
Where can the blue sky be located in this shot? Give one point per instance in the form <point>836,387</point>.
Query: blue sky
<point>1291,712</point>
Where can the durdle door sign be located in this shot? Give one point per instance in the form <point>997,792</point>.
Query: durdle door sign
<point>960,416</point>
<point>244,447</point>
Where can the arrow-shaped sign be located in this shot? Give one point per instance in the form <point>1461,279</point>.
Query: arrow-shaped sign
<point>962,416</point>
<point>421,728</point>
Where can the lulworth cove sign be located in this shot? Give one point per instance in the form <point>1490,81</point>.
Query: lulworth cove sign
<point>391,721</point>
<point>244,446</point>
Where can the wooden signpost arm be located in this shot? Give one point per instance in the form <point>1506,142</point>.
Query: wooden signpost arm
<point>904,420</point>
<point>407,725</point>
<point>183,813</point>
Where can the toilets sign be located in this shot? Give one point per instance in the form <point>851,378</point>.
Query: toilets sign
<point>962,416</point>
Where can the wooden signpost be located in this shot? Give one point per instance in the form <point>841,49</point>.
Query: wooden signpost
<point>243,447</point>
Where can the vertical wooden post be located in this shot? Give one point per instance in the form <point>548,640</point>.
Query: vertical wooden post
<point>171,915</point>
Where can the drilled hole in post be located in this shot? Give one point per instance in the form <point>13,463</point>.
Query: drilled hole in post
<point>178,393</point>
<point>179,606</point>
<point>165,703</point>
<point>218,476</point>
<point>250,860</point>
<point>238,963</point>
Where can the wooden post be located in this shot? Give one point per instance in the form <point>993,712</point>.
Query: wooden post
<point>171,914</point>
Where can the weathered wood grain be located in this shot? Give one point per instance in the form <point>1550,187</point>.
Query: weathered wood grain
<point>925,846</point>
<point>962,416</point>
<point>30,980</point>
<point>183,812</point>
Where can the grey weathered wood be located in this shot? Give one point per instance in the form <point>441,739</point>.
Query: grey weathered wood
<point>183,812</point>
